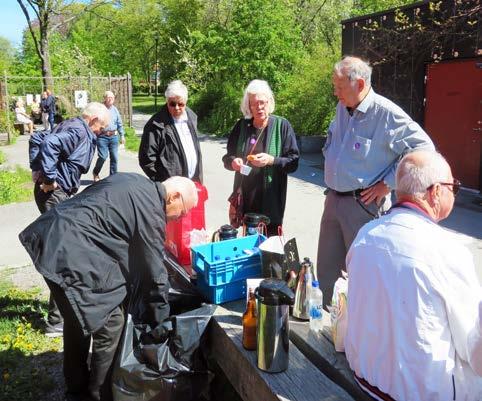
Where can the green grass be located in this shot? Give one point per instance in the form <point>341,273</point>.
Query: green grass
<point>15,186</point>
<point>145,103</point>
<point>27,357</point>
<point>2,157</point>
<point>132,140</point>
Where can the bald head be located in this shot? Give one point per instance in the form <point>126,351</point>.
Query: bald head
<point>181,196</point>
<point>425,177</point>
<point>420,169</point>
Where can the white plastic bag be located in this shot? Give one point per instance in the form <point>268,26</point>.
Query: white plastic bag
<point>339,312</point>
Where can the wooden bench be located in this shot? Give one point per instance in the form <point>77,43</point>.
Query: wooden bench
<point>20,127</point>
<point>303,381</point>
<point>319,349</point>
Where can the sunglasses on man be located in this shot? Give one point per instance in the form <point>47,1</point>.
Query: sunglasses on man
<point>174,104</point>
<point>455,185</point>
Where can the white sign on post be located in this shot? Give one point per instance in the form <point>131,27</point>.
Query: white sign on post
<point>81,99</point>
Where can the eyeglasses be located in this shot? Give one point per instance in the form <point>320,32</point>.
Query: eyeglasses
<point>455,185</point>
<point>174,104</point>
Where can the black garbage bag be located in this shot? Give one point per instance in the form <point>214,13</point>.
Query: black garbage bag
<point>166,363</point>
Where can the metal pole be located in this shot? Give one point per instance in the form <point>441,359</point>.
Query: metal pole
<point>110,82</point>
<point>7,108</point>
<point>157,73</point>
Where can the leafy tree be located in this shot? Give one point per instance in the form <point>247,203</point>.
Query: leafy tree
<point>44,17</point>
<point>7,54</point>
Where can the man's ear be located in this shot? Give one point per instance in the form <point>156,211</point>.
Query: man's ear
<point>361,84</point>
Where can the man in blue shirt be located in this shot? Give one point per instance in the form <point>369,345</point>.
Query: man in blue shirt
<point>108,140</point>
<point>366,140</point>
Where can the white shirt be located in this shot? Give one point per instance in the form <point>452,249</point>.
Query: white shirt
<point>187,144</point>
<point>413,299</point>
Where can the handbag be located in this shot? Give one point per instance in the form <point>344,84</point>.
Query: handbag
<point>236,208</point>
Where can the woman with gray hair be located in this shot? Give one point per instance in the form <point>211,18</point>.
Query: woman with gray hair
<point>170,144</point>
<point>262,150</point>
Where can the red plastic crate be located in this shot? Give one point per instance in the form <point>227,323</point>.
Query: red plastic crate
<point>178,232</point>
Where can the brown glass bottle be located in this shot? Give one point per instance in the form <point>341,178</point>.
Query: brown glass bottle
<point>249,323</point>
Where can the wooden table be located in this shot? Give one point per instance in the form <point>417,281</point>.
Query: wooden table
<point>310,359</point>
<point>316,371</point>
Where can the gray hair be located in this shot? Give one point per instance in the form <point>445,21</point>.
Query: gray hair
<point>415,176</point>
<point>109,93</point>
<point>97,110</point>
<point>354,68</point>
<point>257,87</point>
<point>184,186</point>
<point>176,89</point>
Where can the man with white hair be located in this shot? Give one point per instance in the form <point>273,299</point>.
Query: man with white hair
<point>98,250</point>
<point>365,141</point>
<point>109,139</point>
<point>57,160</point>
<point>414,300</point>
<point>170,144</point>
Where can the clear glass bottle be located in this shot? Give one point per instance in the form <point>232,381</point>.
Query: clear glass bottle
<point>249,323</point>
<point>316,307</point>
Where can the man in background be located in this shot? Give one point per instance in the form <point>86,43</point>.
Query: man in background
<point>170,144</point>
<point>108,140</point>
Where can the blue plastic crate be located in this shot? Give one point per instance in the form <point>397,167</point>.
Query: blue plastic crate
<point>222,293</point>
<point>226,261</point>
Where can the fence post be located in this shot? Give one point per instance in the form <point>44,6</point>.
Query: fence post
<point>7,106</point>
<point>129,97</point>
<point>110,82</point>
<point>90,85</point>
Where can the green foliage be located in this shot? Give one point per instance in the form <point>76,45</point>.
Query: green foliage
<point>7,55</point>
<point>307,100</point>
<point>2,157</point>
<point>145,104</point>
<point>27,356</point>
<point>362,7</point>
<point>15,186</point>
<point>132,140</point>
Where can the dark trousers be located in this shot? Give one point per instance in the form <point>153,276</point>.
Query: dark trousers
<point>51,120</point>
<point>45,202</point>
<point>79,379</point>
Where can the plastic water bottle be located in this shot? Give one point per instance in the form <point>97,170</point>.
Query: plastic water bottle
<point>316,307</point>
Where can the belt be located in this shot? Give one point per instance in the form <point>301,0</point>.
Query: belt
<point>354,193</point>
<point>109,133</point>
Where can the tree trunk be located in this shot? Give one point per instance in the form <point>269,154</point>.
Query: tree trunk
<point>45,62</point>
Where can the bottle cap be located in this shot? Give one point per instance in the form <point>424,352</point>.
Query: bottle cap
<point>315,283</point>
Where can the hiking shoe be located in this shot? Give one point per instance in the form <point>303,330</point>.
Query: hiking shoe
<point>54,330</point>
<point>96,177</point>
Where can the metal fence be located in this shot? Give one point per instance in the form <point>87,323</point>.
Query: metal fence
<point>65,89</point>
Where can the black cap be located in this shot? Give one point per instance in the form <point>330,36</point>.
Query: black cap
<point>273,291</point>
<point>253,219</point>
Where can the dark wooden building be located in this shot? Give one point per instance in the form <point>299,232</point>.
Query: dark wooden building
<point>427,58</point>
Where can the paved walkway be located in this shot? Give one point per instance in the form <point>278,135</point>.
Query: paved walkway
<point>303,209</point>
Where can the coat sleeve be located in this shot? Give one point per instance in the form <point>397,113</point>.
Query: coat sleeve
<point>287,162</point>
<point>232,146</point>
<point>154,277</point>
<point>62,144</point>
<point>150,150</point>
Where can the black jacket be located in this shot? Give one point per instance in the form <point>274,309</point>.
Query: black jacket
<point>161,154</point>
<point>104,244</point>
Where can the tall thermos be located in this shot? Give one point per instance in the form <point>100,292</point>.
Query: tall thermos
<point>274,298</point>
<point>302,290</point>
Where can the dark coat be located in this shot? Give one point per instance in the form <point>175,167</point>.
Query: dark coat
<point>161,154</point>
<point>63,155</point>
<point>256,197</point>
<point>104,244</point>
